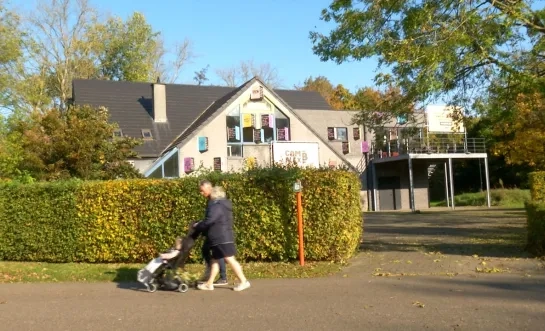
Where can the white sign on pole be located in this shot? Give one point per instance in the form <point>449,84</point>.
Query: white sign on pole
<point>440,120</point>
<point>305,154</point>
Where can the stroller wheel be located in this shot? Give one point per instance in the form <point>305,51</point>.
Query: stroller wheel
<point>183,287</point>
<point>152,287</point>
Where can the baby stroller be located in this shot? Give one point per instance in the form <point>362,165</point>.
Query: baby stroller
<point>163,275</point>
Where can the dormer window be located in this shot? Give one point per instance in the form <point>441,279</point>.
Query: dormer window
<point>146,134</point>
<point>118,133</point>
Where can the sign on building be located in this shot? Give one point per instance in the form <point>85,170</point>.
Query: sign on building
<point>305,154</point>
<point>440,120</point>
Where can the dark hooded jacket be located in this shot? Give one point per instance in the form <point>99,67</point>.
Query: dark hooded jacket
<point>218,222</point>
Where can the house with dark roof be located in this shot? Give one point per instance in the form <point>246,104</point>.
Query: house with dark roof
<point>185,127</point>
<point>204,123</point>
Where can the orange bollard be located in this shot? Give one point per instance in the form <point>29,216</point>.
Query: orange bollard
<point>300,227</point>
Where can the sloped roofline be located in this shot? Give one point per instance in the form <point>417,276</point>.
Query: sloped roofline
<point>241,89</point>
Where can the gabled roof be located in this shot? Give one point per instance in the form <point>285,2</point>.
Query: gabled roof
<point>215,109</point>
<point>130,105</point>
<point>209,113</point>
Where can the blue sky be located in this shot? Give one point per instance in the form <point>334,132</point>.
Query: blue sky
<point>226,32</point>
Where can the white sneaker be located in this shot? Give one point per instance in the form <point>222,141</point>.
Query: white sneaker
<point>242,286</point>
<point>205,287</point>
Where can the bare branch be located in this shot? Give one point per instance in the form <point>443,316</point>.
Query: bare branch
<point>237,75</point>
<point>183,55</point>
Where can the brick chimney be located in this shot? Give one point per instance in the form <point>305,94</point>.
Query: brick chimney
<point>159,102</point>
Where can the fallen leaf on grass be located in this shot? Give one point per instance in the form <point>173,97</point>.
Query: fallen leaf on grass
<point>419,304</point>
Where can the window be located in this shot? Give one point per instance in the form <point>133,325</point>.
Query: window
<point>146,134</point>
<point>157,173</point>
<point>282,123</point>
<point>171,166</point>
<point>233,125</point>
<point>167,167</point>
<point>260,122</point>
<point>118,133</point>
<point>340,134</point>
<point>234,150</point>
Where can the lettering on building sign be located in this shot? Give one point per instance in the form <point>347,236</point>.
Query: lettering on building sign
<point>299,157</point>
<point>356,133</point>
<point>217,164</point>
<point>257,93</point>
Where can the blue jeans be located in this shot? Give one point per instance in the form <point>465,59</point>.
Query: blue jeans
<point>207,256</point>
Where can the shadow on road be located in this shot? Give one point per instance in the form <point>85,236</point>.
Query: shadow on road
<point>492,233</point>
<point>126,279</point>
<point>502,288</point>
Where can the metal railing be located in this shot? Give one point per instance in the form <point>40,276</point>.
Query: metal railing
<point>424,146</point>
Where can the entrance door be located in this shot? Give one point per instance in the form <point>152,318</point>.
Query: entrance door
<point>389,193</point>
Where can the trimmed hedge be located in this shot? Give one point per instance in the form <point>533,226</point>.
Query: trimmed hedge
<point>132,220</point>
<point>536,227</point>
<point>537,185</point>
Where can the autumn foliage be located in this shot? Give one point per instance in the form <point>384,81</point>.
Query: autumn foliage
<point>525,130</point>
<point>131,220</point>
<point>535,211</point>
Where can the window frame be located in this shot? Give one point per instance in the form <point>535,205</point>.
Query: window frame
<point>335,128</point>
<point>238,109</point>
<point>144,131</point>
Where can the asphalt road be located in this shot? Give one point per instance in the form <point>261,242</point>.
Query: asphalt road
<point>355,302</point>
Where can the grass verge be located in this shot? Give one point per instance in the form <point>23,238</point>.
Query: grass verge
<point>32,272</point>
<point>508,198</point>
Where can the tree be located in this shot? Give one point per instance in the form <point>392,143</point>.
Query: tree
<point>237,75</point>
<point>59,48</point>
<point>129,49</point>
<point>338,97</point>
<point>379,108</point>
<point>65,39</point>
<point>479,55</point>
<point>75,143</point>
<point>435,47</point>
<point>10,53</point>
<point>133,51</point>
<point>200,76</point>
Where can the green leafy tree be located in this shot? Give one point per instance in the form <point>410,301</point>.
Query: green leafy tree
<point>434,47</point>
<point>10,52</point>
<point>129,49</point>
<point>479,55</point>
<point>338,97</point>
<point>76,143</point>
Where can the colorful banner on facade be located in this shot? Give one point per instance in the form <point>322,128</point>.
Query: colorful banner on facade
<point>203,144</point>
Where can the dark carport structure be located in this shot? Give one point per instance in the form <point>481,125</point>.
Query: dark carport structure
<point>399,177</point>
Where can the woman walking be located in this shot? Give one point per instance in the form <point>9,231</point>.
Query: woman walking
<point>219,225</point>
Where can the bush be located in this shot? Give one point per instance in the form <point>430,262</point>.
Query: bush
<point>38,222</point>
<point>132,220</point>
<point>537,185</point>
<point>536,227</point>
